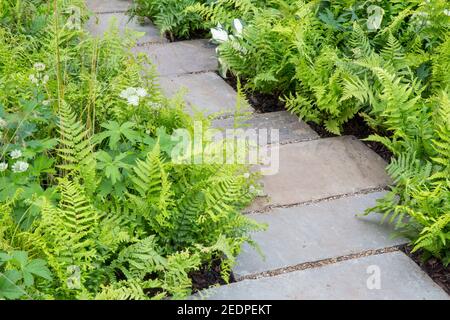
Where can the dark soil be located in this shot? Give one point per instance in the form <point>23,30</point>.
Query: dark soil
<point>208,275</point>
<point>195,34</point>
<point>356,127</point>
<point>433,267</point>
<point>264,103</point>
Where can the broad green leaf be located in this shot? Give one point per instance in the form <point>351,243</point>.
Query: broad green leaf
<point>9,289</point>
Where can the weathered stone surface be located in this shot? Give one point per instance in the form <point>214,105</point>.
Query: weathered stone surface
<point>290,128</point>
<point>181,57</point>
<point>98,24</point>
<point>400,278</point>
<point>104,6</point>
<point>206,92</point>
<point>320,169</point>
<point>314,232</point>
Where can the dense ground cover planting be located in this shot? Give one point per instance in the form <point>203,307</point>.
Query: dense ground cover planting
<point>91,205</point>
<point>329,61</point>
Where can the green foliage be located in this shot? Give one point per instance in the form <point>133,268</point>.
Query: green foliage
<point>92,205</point>
<point>18,273</point>
<point>171,16</point>
<point>385,60</point>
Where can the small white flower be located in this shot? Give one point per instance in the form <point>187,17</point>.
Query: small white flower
<point>45,103</point>
<point>15,154</point>
<point>141,92</point>
<point>3,123</point>
<point>447,12</point>
<point>246,175</point>
<point>128,92</point>
<point>20,166</point>
<point>133,101</point>
<point>219,34</point>
<point>45,79</point>
<point>33,79</point>
<point>39,66</point>
<point>237,24</point>
<point>3,166</point>
<point>155,105</point>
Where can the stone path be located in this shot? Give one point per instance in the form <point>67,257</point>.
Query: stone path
<point>318,245</point>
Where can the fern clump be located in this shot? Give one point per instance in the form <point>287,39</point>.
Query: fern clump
<point>171,16</point>
<point>387,61</point>
<point>92,205</point>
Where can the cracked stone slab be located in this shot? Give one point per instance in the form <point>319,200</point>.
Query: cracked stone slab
<point>205,92</point>
<point>319,169</point>
<point>181,57</point>
<point>108,6</point>
<point>400,279</point>
<point>98,24</point>
<point>290,128</point>
<point>315,232</point>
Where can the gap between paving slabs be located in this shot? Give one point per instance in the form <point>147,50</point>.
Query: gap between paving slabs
<point>401,279</point>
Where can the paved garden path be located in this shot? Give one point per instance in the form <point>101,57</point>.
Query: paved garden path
<point>316,247</point>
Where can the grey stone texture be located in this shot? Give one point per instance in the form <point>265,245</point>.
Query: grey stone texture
<point>181,57</point>
<point>400,279</point>
<point>315,232</point>
<point>108,6</point>
<point>289,127</point>
<point>98,24</point>
<point>321,169</point>
<point>205,92</point>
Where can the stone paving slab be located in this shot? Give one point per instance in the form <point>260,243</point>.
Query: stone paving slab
<point>98,24</point>
<point>206,92</point>
<point>181,57</point>
<point>108,6</point>
<point>290,128</point>
<point>401,279</point>
<point>321,169</point>
<point>314,232</point>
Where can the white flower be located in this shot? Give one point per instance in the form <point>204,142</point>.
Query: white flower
<point>45,79</point>
<point>219,34</point>
<point>246,175</point>
<point>15,154</point>
<point>237,24</point>
<point>141,92</point>
<point>3,166</point>
<point>447,12</point>
<point>133,95</point>
<point>3,123</point>
<point>128,92</point>
<point>155,105</point>
<point>133,101</point>
<point>46,103</point>
<point>33,79</point>
<point>20,166</point>
<point>39,66</point>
